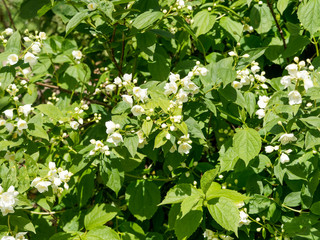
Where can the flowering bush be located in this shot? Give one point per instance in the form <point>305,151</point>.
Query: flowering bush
<point>159,119</point>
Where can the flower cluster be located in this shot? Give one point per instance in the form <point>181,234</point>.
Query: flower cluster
<point>8,200</point>
<point>19,236</point>
<point>99,147</point>
<point>54,178</point>
<point>77,115</point>
<point>184,144</point>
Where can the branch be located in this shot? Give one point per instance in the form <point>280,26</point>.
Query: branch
<point>9,14</point>
<point>277,23</point>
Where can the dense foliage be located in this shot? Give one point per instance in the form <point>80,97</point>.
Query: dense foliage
<point>159,119</point>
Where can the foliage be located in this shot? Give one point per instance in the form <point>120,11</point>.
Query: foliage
<point>159,119</point>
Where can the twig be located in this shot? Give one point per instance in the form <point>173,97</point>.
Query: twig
<point>277,23</point>
<point>122,51</point>
<point>9,14</point>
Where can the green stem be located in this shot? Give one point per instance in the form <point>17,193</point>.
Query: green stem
<point>316,45</point>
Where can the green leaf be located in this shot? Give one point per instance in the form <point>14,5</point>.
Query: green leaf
<point>76,20</point>
<point>313,121</point>
<point>143,198</point>
<point>203,21</point>
<point>37,131</point>
<point>187,224</point>
<point>147,127</point>
<point>293,199</point>
<point>99,215</point>
<point>312,138</point>
<point>13,44</point>
<point>112,174</point>
<point>23,224</point>
<point>207,178</point>
<point>146,19</point>
<point>315,208</point>
<point>309,15</point>
<point>179,192</point>
<point>194,128</point>
<point>260,18</point>
<point>131,143</point>
<point>85,187</point>
<point>101,233</point>
<point>282,5</point>
<point>7,75</point>
<point>210,105</point>
<point>50,110</point>
<point>189,203</point>
<point>182,127</point>
<point>225,213</point>
<point>234,196</point>
<point>160,139</point>
<point>247,144</point>
<point>234,28</point>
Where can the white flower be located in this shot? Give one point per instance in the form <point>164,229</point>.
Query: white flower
<point>269,149</point>
<point>7,238</point>
<point>176,119</point>
<point>184,148</point>
<point>263,101</point>
<point>142,139</point>
<point>110,87</point>
<point>255,69</point>
<point>182,96</point>
<point>30,58</point>
<point>42,35</point>
<point>74,125</point>
<point>180,3</point>
<point>8,201</point>
<point>8,31</point>
<point>40,185</point>
<point>245,55</point>
<point>232,54</point>
<point>13,59</point>
<point>261,113</point>
<point>26,39</point>
<point>115,138</point>
<point>294,97</point>
<point>203,71</point>
<point>2,122</point>
<point>36,47</point>
<point>20,236</point>
<point>52,166</point>
<point>286,81</point>
<point>284,158</point>
<point>128,99</point>
<point>92,6</point>
<point>8,113</point>
<point>170,87</point>
<point>111,127</point>
<point>117,81</point>
<point>9,127</point>
<point>77,54</point>
<point>22,124</point>
<point>236,84</point>
<point>137,110</point>
<point>141,94</point>
<point>244,218</point>
<point>287,138</point>
<point>127,77</point>
<point>26,109</point>
<point>174,77</point>
<point>292,70</point>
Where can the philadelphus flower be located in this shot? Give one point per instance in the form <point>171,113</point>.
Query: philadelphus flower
<point>128,99</point>
<point>269,149</point>
<point>170,88</point>
<point>137,110</point>
<point>8,238</point>
<point>263,101</point>
<point>292,70</point>
<point>8,31</point>
<point>284,158</point>
<point>8,200</point>
<point>20,236</point>
<point>77,54</point>
<point>117,81</point>
<point>42,35</point>
<point>92,6</point>
<point>127,77</point>
<point>236,84</point>
<point>141,94</point>
<point>8,113</point>
<point>287,138</point>
<point>40,185</point>
<point>184,148</point>
<point>142,139</point>
<point>261,113</point>
<point>286,81</point>
<point>110,87</point>
<point>174,77</point>
<point>25,110</point>
<point>22,124</point>
<point>74,125</point>
<point>99,146</point>
<point>36,47</point>
<point>13,59</point>
<point>30,58</point>
<point>182,96</point>
<point>115,138</point>
<point>111,127</point>
<point>294,98</point>
<point>244,219</point>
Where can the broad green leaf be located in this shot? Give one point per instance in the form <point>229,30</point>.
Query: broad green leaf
<point>179,192</point>
<point>85,187</point>
<point>37,131</point>
<point>143,198</point>
<point>194,128</point>
<point>160,139</point>
<point>13,44</point>
<point>232,27</point>
<point>191,203</point>
<point>99,215</point>
<point>254,54</point>
<point>309,15</point>
<point>313,121</point>
<point>293,199</point>
<point>207,178</point>
<point>282,5</point>
<point>225,213</point>
<point>182,127</point>
<point>101,233</point>
<point>112,174</point>
<point>312,138</point>
<point>147,127</point>
<point>159,67</point>
<point>23,224</point>
<point>188,224</point>
<point>234,196</point>
<point>315,208</point>
<point>131,143</point>
<point>247,144</point>
<point>50,110</point>
<point>251,102</point>
<point>261,18</point>
<point>76,20</point>
<point>203,21</point>
<point>210,105</point>
<point>146,19</point>
<point>7,75</point>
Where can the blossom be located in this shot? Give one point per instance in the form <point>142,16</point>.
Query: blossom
<point>142,139</point>
<point>77,54</point>
<point>236,84</point>
<point>30,58</point>
<point>22,124</point>
<point>269,149</point>
<point>292,70</point>
<point>74,125</point>
<point>117,81</point>
<point>128,99</point>
<point>7,238</point>
<point>42,35</point>
<point>170,88</point>
<point>232,54</point>
<point>127,77</point>
<point>111,127</point>
<point>287,138</point>
<point>13,59</point>
<point>174,77</point>
<point>40,185</point>
<point>263,101</point>
<point>137,110</point>
<point>184,148</point>
<point>20,236</point>
<point>92,6</point>
<point>261,113</point>
<point>244,218</point>
<point>2,122</point>
<point>8,113</point>
<point>110,87</point>
<point>255,69</point>
<point>26,109</point>
<point>284,158</point>
<point>182,96</point>
<point>115,138</point>
<point>141,94</point>
<point>8,201</point>
<point>294,97</point>
<point>286,81</point>
<point>36,47</point>
<point>8,31</point>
